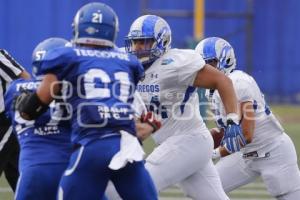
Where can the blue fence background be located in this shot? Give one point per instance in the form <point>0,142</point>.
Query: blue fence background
<point>273,56</point>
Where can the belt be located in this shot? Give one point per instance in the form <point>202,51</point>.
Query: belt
<point>255,154</point>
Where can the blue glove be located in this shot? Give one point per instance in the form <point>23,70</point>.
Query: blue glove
<point>233,139</point>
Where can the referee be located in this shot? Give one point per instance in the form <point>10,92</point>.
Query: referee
<point>9,147</point>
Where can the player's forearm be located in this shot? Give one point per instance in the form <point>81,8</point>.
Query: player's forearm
<point>223,151</point>
<point>48,88</point>
<point>144,130</point>
<point>25,75</point>
<point>220,152</point>
<point>31,105</point>
<point>209,77</point>
<point>248,120</point>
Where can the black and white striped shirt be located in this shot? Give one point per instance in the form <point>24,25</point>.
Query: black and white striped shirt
<point>9,70</point>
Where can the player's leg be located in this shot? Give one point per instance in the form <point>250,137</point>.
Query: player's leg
<point>290,196</point>
<point>8,147</point>
<point>280,171</point>
<point>140,185</point>
<point>111,192</point>
<point>39,182</point>
<point>204,184</point>
<point>12,172</point>
<point>11,169</point>
<point>234,172</point>
<point>177,158</point>
<point>87,174</point>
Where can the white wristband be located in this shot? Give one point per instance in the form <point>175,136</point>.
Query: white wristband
<point>216,154</point>
<point>234,117</point>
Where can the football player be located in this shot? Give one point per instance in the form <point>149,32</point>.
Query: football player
<point>185,146</point>
<point>269,152</point>
<point>103,81</point>
<point>44,142</point>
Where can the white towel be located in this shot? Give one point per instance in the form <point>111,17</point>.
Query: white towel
<point>130,151</point>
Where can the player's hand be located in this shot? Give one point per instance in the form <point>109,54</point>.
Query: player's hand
<point>19,102</point>
<point>150,118</point>
<point>18,99</point>
<point>233,139</point>
<point>29,105</point>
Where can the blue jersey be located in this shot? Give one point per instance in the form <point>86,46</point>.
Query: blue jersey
<point>102,85</point>
<point>44,140</point>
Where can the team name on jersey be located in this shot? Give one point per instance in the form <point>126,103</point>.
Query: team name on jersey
<point>148,88</point>
<point>28,86</point>
<point>101,54</point>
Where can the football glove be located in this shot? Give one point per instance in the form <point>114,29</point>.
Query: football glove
<point>29,105</point>
<point>233,139</point>
<point>150,119</point>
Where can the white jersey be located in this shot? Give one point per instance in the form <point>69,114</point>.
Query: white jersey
<point>267,126</point>
<point>167,90</point>
<point>138,105</point>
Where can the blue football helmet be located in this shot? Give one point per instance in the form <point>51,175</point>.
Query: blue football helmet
<point>42,48</point>
<point>153,33</point>
<point>95,24</point>
<point>218,49</point>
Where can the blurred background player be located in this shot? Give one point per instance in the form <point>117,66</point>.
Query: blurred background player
<point>103,128</point>
<point>9,147</point>
<point>168,89</point>
<point>269,151</point>
<point>44,142</point>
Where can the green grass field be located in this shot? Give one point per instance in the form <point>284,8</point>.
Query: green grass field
<point>288,115</point>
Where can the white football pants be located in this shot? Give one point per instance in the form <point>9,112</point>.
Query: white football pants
<point>279,171</point>
<point>185,160</point>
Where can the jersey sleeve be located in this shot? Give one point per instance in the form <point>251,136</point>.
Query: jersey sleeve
<point>189,63</point>
<point>10,69</point>
<point>139,106</point>
<point>243,90</point>
<point>56,62</point>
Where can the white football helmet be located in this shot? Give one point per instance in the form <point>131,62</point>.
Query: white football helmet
<point>218,49</point>
<point>154,32</point>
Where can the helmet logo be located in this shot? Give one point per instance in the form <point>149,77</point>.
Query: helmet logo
<point>225,56</point>
<point>91,30</point>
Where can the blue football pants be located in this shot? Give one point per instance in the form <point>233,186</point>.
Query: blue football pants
<point>39,182</point>
<point>88,174</point>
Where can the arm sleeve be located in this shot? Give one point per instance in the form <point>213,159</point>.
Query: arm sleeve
<point>56,63</point>
<point>188,66</point>
<point>139,106</point>
<point>9,68</point>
